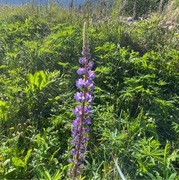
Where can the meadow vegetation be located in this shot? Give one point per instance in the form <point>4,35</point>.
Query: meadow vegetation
<point>135,120</point>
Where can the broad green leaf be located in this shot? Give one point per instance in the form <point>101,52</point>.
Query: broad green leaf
<point>18,162</point>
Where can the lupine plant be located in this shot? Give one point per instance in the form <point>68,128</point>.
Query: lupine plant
<point>83,110</point>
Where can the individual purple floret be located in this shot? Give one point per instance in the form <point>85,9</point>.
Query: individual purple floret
<point>82,111</point>
<point>82,60</point>
<point>81,83</point>
<point>81,71</point>
<point>91,75</point>
<point>90,65</point>
<point>88,120</point>
<point>80,97</point>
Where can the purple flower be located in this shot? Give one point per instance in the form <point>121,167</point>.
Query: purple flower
<point>79,96</point>
<point>76,122</point>
<point>80,83</point>
<point>88,56</point>
<point>81,124</point>
<point>82,60</point>
<point>85,51</point>
<point>91,86</point>
<point>88,120</point>
<point>89,98</point>
<point>81,71</point>
<point>90,65</point>
<point>87,110</point>
<point>78,110</point>
<point>72,152</point>
<point>91,75</point>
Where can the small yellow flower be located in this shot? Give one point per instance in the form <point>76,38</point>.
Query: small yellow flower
<point>110,167</point>
<point>106,170</point>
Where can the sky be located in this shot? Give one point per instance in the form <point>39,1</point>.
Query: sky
<point>44,2</point>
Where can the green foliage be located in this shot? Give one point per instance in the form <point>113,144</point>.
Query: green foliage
<point>136,105</point>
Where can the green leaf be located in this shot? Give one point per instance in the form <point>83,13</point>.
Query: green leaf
<point>63,64</point>
<point>172,176</point>
<point>27,156</point>
<point>57,175</point>
<point>18,162</point>
<point>47,175</point>
<point>52,156</point>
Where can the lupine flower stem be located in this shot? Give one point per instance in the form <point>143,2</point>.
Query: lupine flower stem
<point>80,134</point>
<point>83,105</point>
<point>80,124</point>
<point>80,138</point>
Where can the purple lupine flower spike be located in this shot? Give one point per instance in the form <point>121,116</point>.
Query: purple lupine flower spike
<point>82,112</point>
